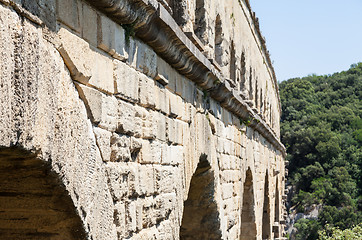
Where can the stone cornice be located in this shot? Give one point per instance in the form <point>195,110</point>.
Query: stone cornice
<point>154,25</point>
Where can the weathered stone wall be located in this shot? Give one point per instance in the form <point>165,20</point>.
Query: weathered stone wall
<point>144,135</point>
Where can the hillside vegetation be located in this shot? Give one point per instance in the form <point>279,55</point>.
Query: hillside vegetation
<point>321,127</point>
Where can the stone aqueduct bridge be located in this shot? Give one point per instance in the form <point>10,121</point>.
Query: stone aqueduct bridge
<point>137,119</point>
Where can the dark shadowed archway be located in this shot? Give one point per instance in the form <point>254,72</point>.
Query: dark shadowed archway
<point>248,225</point>
<point>201,218</point>
<point>276,212</point>
<point>33,203</point>
<point>266,210</point>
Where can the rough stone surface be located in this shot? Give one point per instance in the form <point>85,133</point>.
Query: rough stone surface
<point>141,148</point>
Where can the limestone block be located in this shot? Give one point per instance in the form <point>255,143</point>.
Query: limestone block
<point>167,72</point>
<point>186,134</point>
<point>103,108</point>
<point>172,155</point>
<point>228,176</point>
<point>127,122</point>
<point>199,100</point>
<point>133,179</point>
<point>180,84</point>
<point>68,13</point>
<point>181,126</point>
<point>162,101</point>
<point>120,148</point>
<point>159,125</point>
<point>181,110</point>
<point>146,90</point>
<point>120,218</point>
<point>77,55</point>
<point>227,147</point>
<point>164,175</point>
<point>188,90</point>
<point>132,49</point>
<point>166,230</point>
<point>173,105</point>
<point>224,161</point>
<point>227,190</point>
<point>148,210</point>
<point>226,117</point>
<point>171,130</point>
<point>151,152</point>
<point>131,215</point>
<point>220,129</point>
<point>148,233</point>
<point>126,81</point>
<point>89,24</point>
<point>120,44</point>
<point>220,145</point>
<point>103,138</point>
<point>120,180</point>
<point>146,60</point>
<point>102,72</point>
<point>186,111</point>
<point>163,205</point>
<point>106,34</point>
<point>146,121</point>
<point>146,181</point>
<point>234,162</point>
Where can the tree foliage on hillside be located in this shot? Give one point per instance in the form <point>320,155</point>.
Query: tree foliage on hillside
<point>321,127</point>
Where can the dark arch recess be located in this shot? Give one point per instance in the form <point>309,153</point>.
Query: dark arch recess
<point>248,225</point>
<point>266,210</point>
<point>201,218</point>
<point>34,205</point>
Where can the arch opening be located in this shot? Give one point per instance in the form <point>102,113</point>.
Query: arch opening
<point>179,9</point>
<point>276,212</point>
<point>242,72</point>
<point>266,210</point>
<point>248,225</point>
<point>218,40</point>
<point>233,64</point>
<point>200,218</point>
<point>200,22</point>
<point>33,203</point>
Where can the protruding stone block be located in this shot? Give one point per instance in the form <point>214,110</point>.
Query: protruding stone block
<point>77,55</point>
<point>103,108</point>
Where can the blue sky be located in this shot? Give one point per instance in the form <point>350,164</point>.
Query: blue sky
<point>311,37</point>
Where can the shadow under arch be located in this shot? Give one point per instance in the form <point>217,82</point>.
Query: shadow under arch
<point>248,224</point>
<point>276,211</point>
<point>34,204</point>
<point>266,233</point>
<point>200,218</point>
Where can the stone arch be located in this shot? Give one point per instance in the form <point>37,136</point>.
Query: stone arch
<point>276,211</point>
<point>33,202</point>
<point>218,40</point>
<point>200,21</point>
<point>266,210</point>
<point>200,218</point>
<point>248,225</point>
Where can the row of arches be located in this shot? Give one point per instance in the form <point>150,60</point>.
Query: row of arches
<point>35,184</point>
<point>192,15</point>
<point>201,218</point>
